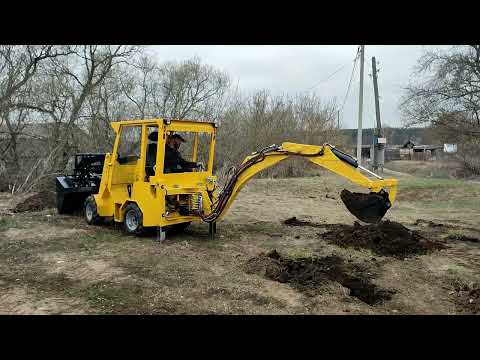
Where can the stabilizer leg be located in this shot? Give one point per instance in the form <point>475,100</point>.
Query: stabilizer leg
<point>212,229</point>
<point>161,234</point>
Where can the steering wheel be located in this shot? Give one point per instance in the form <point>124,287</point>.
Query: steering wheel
<point>151,169</point>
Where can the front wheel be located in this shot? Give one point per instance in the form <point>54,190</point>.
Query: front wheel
<point>133,222</point>
<point>91,214</point>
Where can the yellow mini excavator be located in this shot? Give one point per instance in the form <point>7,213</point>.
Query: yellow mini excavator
<point>137,186</point>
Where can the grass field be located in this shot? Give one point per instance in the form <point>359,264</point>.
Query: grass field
<point>432,168</point>
<point>53,264</point>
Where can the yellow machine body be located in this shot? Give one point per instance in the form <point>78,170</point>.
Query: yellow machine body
<point>126,181</point>
<point>149,192</point>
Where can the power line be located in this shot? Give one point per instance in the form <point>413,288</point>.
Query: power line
<point>351,78</point>
<point>328,78</point>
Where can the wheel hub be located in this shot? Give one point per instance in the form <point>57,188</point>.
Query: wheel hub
<point>132,220</point>
<point>89,212</point>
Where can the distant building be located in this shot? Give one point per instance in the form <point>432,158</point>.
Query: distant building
<point>409,145</point>
<point>410,150</point>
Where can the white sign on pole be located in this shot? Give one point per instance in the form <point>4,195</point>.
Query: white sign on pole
<point>450,148</point>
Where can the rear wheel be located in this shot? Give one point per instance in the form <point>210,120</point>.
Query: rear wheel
<point>91,214</point>
<point>133,222</point>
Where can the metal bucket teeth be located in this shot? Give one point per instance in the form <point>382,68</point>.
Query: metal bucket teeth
<point>369,208</point>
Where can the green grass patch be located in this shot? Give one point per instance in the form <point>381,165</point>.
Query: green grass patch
<point>4,223</point>
<point>454,205</point>
<point>299,253</point>
<point>260,228</point>
<point>7,222</point>
<point>420,184</point>
<point>41,281</point>
<point>110,298</point>
<point>458,271</point>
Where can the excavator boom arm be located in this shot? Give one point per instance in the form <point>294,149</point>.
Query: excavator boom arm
<point>326,156</point>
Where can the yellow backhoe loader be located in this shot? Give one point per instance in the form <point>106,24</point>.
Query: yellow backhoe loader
<point>133,185</point>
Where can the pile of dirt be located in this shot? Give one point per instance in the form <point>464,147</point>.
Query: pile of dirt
<point>385,238</point>
<point>310,274</point>
<point>36,202</point>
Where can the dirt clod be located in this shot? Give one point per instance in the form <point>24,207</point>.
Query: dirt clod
<point>460,237</point>
<point>36,202</point>
<point>468,298</point>
<point>293,221</point>
<point>310,274</point>
<point>385,238</point>
<point>429,223</point>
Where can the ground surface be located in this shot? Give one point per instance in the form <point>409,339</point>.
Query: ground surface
<point>433,168</point>
<point>52,264</point>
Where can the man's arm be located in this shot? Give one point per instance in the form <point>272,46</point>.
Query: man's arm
<point>186,164</point>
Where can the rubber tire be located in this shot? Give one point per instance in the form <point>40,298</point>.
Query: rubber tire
<point>95,219</point>
<point>139,229</point>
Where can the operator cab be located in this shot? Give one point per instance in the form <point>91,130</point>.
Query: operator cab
<point>183,151</point>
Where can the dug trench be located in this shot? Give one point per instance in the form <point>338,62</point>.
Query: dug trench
<point>310,275</point>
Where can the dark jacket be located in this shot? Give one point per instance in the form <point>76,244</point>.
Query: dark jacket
<point>173,159</point>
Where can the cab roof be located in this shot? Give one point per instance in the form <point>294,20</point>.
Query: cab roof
<point>175,124</point>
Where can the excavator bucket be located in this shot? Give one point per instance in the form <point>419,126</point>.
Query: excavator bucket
<point>369,208</point>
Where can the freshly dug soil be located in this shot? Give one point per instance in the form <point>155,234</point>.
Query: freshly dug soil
<point>385,238</point>
<point>310,274</point>
<point>36,202</point>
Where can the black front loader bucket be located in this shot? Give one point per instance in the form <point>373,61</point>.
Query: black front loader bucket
<point>369,208</point>
<point>70,198</point>
<point>72,190</point>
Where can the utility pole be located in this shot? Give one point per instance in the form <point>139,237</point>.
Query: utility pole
<point>360,107</point>
<point>338,119</point>
<point>378,139</point>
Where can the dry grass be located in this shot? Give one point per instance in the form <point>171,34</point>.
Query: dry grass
<point>434,168</point>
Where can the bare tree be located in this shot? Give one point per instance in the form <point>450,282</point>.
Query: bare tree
<point>189,89</point>
<point>261,119</point>
<point>448,90</point>
<point>18,65</point>
<point>59,99</point>
<point>87,71</point>
<point>447,95</point>
<point>140,82</point>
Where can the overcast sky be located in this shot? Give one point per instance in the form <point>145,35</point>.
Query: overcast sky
<point>294,69</point>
